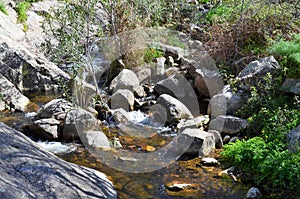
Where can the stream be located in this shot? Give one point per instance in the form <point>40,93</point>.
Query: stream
<point>199,181</point>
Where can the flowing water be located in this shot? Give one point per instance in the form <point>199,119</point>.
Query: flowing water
<point>201,181</point>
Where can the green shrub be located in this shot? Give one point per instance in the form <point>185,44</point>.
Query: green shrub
<point>3,8</point>
<point>151,54</point>
<point>266,157</point>
<point>288,53</point>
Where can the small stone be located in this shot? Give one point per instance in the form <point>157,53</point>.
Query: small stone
<point>209,161</point>
<point>254,193</point>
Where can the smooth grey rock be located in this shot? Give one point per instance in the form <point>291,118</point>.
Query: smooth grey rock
<point>28,171</point>
<point>257,70</point>
<point>122,98</point>
<point>203,143</point>
<point>226,139</point>
<point>208,82</point>
<point>56,108</point>
<point>291,86</point>
<point>76,122</point>
<point>253,193</point>
<point>226,102</point>
<point>218,138</point>
<point>96,139</point>
<point>11,96</point>
<point>174,109</point>
<point>293,138</point>
<point>126,79</point>
<point>228,124</point>
<point>44,129</point>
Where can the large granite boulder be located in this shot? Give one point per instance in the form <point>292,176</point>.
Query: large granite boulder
<point>122,98</point>
<point>27,171</point>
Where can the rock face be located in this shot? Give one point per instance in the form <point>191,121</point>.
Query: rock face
<point>172,108</point>
<point>28,71</point>
<point>228,124</point>
<point>291,86</point>
<point>27,171</point>
<point>293,138</point>
<point>256,70</point>
<point>11,96</point>
<point>126,79</point>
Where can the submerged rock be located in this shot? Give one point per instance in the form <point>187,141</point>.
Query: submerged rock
<point>31,172</point>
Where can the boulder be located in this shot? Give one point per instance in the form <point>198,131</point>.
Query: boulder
<point>76,122</point>
<point>203,143</point>
<point>56,108</point>
<point>28,71</point>
<point>208,82</point>
<point>10,96</point>
<point>174,109</point>
<point>28,171</point>
<point>44,129</point>
<point>126,79</point>
<point>209,161</point>
<point>228,124</point>
<point>179,87</point>
<point>122,98</point>
<point>291,86</point>
<point>226,102</point>
<point>257,70</point>
<point>293,138</point>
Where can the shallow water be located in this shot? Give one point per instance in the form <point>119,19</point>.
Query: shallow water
<point>204,182</point>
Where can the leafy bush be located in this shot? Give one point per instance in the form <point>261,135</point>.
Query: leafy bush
<point>266,157</point>
<point>3,8</point>
<point>151,54</point>
<point>288,52</point>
